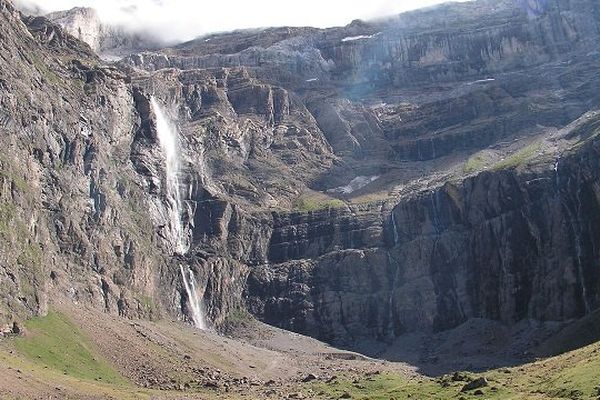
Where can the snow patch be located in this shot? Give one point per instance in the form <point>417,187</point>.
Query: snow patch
<point>355,184</point>
<point>360,37</point>
<point>483,81</point>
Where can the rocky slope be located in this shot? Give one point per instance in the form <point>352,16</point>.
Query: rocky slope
<point>354,183</point>
<point>77,352</point>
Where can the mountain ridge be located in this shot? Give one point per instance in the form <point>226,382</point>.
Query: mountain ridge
<point>351,186</point>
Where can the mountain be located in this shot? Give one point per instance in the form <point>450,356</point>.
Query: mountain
<point>110,41</point>
<point>471,117</point>
<point>421,189</point>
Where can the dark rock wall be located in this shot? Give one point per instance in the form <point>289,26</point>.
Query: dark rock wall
<point>503,245</point>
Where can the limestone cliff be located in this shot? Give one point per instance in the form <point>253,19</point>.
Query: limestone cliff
<point>357,182</point>
<point>109,41</point>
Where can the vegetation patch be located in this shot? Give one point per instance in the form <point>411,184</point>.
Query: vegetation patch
<point>387,386</point>
<point>317,201</point>
<point>17,181</point>
<point>239,316</point>
<point>31,257</point>
<point>371,198</point>
<point>55,342</point>
<point>519,158</point>
<point>147,306</point>
<point>474,164</point>
<point>8,211</point>
<point>49,75</point>
<point>574,375</point>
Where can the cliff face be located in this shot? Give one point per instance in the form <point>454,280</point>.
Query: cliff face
<point>109,41</point>
<point>357,182</point>
<point>85,214</point>
<point>439,45</point>
<point>506,245</point>
<point>67,227</point>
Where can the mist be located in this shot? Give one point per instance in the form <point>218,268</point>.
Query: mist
<point>179,20</point>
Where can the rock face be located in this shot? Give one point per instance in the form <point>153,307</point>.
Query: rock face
<point>110,41</point>
<point>501,246</point>
<point>469,124</point>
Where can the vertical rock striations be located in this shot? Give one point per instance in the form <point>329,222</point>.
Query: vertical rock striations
<point>480,200</point>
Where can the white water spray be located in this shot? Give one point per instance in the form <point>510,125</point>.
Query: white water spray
<point>194,298</point>
<point>169,144</point>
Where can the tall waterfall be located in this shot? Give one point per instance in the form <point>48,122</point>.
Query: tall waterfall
<point>169,144</point>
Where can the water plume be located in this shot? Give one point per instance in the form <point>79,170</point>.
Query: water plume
<point>168,138</point>
<point>194,298</point>
<point>169,143</point>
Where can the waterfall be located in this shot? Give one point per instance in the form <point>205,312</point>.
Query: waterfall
<point>194,297</point>
<point>169,144</point>
<point>578,229</point>
<point>435,221</point>
<point>394,285</point>
<point>575,218</point>
<point>395,229</point>
<point>557,176</point>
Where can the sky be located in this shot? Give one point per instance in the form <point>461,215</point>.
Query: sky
<point>176,20</point>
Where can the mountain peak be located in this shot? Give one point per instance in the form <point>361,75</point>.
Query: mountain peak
<point>108,40</point>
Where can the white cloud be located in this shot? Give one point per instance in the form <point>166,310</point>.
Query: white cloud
<point>186,19</point>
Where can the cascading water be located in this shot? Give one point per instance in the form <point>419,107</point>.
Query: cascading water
<point>194,298</point>
<point>169,144</point>
<point>395,229</point>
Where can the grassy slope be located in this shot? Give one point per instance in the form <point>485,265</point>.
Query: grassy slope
<point>57,358</point>
<point>36,378</point>
<point>574,375</point>
<point>315,201</point>
<point>57,343</point>
<point>56,353</point>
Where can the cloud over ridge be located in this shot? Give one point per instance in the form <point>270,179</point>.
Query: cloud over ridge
<point>177,20</point>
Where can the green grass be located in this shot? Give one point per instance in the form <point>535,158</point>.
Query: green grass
<point>388,386</point>
<point>574,375</point>
<point>519,158</point>
<point>56,343</point>
<point>39,375</point>
<point>239,316</point>
<point>147,305</point>
<point>474,164</point>
<point>31,257</point>
<point>18,181</point>
<point>316,203</point>
<point>371,197</point>
<point>8,211</point>
<point>584,140</point>
<point>49,75</point>
<point>55,351</point>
